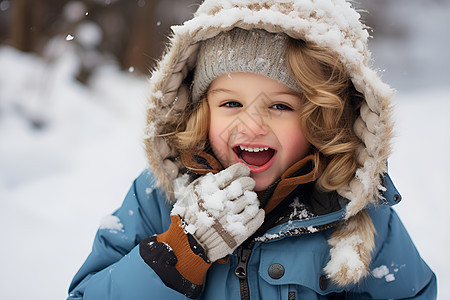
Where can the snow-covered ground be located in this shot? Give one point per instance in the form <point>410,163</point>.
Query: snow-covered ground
<point>58,181</point>
<point>68,154</point>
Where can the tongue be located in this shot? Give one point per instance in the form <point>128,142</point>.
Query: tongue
<point>257,158</point>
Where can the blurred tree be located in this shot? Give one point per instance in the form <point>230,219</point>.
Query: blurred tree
<point>134,32</point>
<point>33,23</point>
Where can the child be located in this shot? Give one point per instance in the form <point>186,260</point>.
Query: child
<point>268,139</point>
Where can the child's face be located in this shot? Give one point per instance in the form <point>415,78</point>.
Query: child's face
<point>255,120</point>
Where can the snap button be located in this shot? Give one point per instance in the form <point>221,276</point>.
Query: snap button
<point>276,271</point>
<point>323,282</point>
<point>397,198</point>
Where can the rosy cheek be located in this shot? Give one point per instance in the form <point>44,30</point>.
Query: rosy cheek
<point>218,145</point>
<point>295,148</point>
<point>300,147</point>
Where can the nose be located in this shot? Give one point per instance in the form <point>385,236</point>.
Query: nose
<point>253,122</point>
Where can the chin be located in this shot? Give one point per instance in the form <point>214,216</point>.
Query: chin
<point>260,185</point>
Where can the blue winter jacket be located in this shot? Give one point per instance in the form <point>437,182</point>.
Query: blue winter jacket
<point>288,267</point>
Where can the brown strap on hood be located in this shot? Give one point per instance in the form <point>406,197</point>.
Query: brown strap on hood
<point>200,163</point>
<point>290,181</point>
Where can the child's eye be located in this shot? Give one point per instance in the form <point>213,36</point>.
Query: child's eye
<point>231,104</point>
<point>280,106</point>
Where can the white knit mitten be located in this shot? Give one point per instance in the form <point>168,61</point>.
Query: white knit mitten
<point>220,210</point>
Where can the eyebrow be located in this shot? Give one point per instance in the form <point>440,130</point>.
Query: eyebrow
<point>221,90</point>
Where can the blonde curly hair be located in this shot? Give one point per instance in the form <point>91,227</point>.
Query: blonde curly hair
<point>330,105</point>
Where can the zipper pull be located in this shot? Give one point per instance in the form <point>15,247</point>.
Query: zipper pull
<point>243,256</point>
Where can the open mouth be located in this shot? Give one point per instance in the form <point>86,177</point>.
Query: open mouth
<point>254,156</point>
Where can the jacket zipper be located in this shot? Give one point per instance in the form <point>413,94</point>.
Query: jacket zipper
<point>245,249</point>
<point>243,253</point>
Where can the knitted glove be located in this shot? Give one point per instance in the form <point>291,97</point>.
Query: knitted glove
<point>220,210</point>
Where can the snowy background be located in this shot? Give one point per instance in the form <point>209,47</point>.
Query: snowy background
<point>69,152</point>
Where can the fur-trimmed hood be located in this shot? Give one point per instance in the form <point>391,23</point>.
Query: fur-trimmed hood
<point>329,23</point>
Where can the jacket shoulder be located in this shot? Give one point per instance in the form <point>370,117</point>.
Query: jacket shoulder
<point>145,211</point>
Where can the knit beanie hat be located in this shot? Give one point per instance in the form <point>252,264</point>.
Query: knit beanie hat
<point>239,50</point>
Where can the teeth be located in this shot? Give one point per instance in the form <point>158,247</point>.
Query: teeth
<point>253,149</point>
